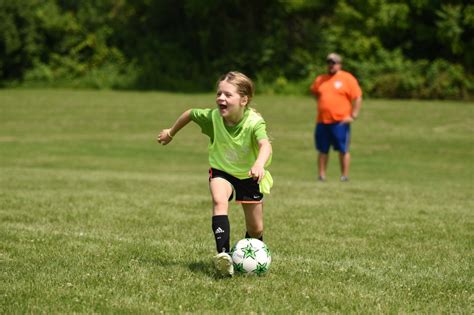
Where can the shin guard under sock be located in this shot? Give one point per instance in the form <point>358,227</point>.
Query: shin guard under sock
<point>221,230</point>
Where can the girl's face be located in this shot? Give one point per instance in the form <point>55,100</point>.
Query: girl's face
<point>231,105</point>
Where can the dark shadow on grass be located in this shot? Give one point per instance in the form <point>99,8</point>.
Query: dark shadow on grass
<point>205,268</point>
<point>201,267</point>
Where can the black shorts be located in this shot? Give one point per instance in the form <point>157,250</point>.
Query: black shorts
<point>246,190</point>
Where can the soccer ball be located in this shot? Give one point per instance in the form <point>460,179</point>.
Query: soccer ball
<point>251,256</point>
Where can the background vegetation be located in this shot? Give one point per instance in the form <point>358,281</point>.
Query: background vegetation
<point>402,49</point>
<point>95,217</point>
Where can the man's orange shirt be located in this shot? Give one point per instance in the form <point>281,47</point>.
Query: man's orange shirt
<point>335,94</point>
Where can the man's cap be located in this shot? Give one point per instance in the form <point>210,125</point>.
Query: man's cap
<point>334,57</point>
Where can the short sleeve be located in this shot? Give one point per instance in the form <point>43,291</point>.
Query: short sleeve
<point>203,117</point>
<point>260,131</point>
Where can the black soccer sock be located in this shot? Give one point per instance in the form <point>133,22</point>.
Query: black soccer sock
<point>247,235</point>
<point>221,230</point>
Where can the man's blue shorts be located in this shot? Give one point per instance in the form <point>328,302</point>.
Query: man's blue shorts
<point>337,135</point>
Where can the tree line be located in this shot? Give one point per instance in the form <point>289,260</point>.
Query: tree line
<point>396,49</point>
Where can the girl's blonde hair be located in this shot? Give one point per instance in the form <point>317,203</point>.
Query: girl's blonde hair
<point>244,85</point>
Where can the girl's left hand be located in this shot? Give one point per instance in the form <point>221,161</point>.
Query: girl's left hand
<point>257,173</point>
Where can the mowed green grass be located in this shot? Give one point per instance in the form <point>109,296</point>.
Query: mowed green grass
<point>95,217</point>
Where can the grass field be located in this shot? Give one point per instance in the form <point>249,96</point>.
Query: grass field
<point>95,217</point>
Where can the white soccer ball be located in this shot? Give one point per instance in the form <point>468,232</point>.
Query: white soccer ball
<point>251,256</point>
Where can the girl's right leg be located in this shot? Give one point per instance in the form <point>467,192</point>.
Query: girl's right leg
<point>221,190</point>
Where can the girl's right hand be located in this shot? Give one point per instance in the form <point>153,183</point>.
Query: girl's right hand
<point>164,137</point>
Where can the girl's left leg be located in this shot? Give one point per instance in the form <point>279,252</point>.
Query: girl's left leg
<point>254,219</point>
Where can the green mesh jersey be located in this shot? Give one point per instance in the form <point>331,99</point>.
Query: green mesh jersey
<point>234,150</point>
<point>203,117</point>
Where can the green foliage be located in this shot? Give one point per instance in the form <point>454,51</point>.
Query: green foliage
<point>46,43</point>
<point>389,74</point>
<point>449,27</point>
<point>185,44</point>
<point>18,38</point>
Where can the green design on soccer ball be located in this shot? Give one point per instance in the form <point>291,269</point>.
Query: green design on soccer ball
<point>239,267</point>
<point>233,249</point>
<point>267,250</point>
<point>261,269</point>
<point>249,252</point>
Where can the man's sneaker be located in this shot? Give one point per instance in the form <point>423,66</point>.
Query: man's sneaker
<point>344,178</point>
<point>223,264</point>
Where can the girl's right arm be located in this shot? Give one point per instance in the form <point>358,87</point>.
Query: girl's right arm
<point>166,135</point>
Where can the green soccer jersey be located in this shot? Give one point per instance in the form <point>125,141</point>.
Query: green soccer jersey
<point>203,117</point>
<point>234,149</point>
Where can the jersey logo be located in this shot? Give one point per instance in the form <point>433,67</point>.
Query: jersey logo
<point>231,156</point>
<point>338,84</point>
<point>236,155</point>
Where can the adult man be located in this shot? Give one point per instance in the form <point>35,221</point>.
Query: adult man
<point>339,100</point>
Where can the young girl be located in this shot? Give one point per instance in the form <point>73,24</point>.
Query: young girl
<point>239,151</point>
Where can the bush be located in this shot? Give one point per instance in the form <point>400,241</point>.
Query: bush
<point>390,75</point>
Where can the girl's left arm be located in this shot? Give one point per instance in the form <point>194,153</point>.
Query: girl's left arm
<point>264,152</point>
